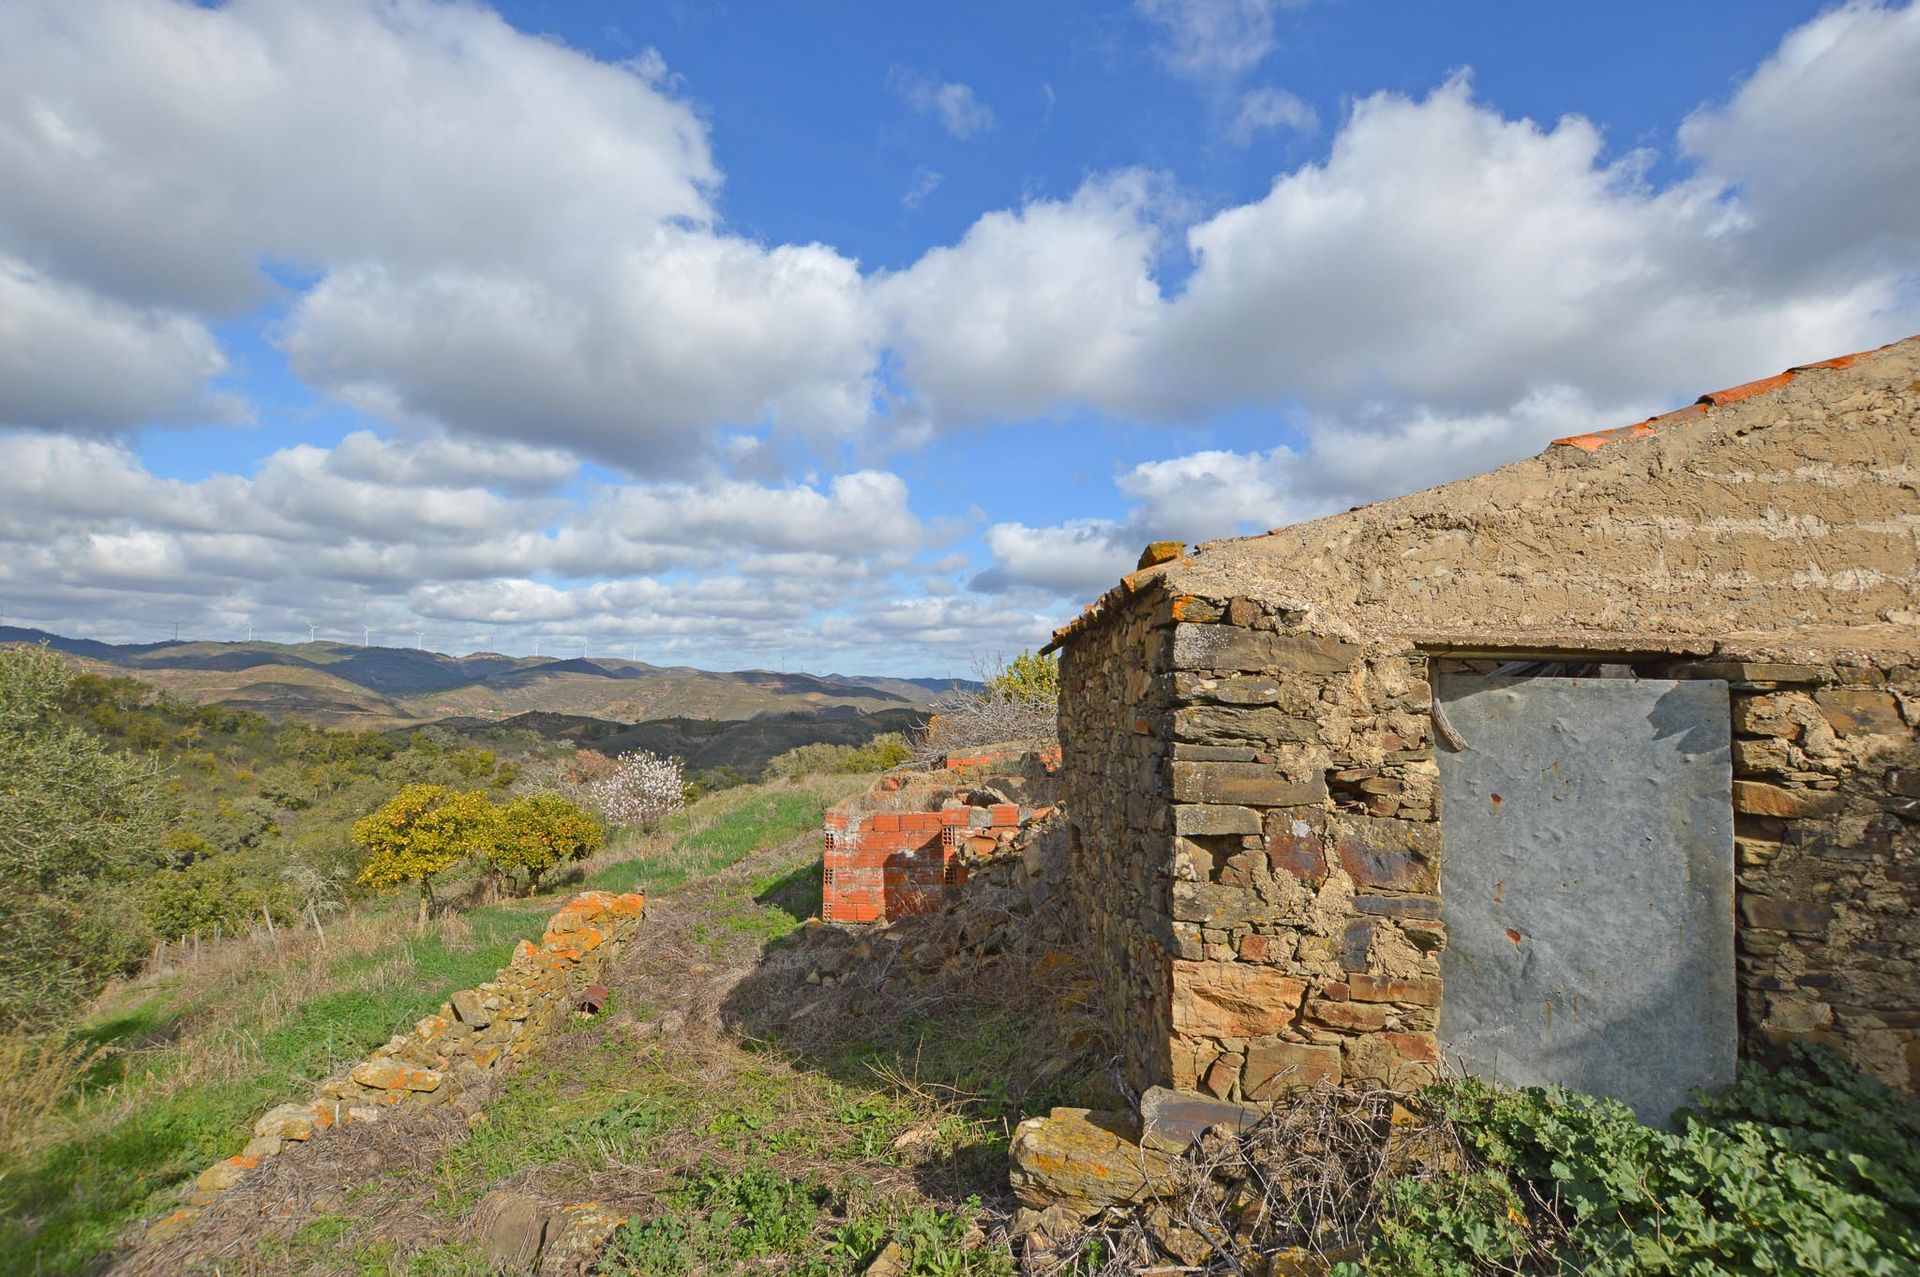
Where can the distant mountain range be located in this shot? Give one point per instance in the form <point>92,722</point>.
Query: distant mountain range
<point>346,685</point>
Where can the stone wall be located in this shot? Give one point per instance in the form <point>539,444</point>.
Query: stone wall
<point>1115,712</point>
<point>475,1034</point>
<point>1827,844</point>
<point>1258,839</point>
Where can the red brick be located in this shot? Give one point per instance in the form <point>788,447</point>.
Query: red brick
<point>886,822</point>
<point>1005,814</point>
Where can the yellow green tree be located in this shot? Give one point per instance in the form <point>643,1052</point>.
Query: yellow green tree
<point>535,833</point>
<point>421,831</point>
<point>1031,679</point>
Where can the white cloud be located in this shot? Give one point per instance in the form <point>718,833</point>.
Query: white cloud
<point>503,235</point>
<point>634,358</point>
<point>1078,557</point>
<point>432,532</point>
<point>962,114</point>
<point>1265,109</point>
<point>71,359</point>
<point>925,182</point>
<point>1030,310</point>
<point>1820,141</point>
<point>1211,39</point>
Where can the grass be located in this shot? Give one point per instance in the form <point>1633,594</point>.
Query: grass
<point>882,1137</point>
<point>722,831</point>
<point>198,1054</point>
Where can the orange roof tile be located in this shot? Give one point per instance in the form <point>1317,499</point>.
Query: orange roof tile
<point>1598,439</point>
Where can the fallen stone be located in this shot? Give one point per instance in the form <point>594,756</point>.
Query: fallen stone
<point>576,1234</point>
<point>1170,1120</point>
<point>287,1122</point>
<point>510,1228</point>
<point>1084,1158</point>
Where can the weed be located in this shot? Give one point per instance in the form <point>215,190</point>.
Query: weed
<point>1812,1169</point>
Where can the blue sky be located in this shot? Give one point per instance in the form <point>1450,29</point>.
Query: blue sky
<point>864,336</point>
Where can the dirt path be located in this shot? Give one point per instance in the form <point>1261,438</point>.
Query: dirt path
<point>757,1093</point>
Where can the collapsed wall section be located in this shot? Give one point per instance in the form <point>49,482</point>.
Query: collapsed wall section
<point>902,848</point>
<point>475,1035</point>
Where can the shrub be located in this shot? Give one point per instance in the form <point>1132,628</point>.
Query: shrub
<point>1019,701</point>
<point>889,749</point>
<point>638,788</point>
<point>540,831</point>
<point>421,831</point>
<point>1812,1169</point>
<point>79,822</point>
<point>227,890</point>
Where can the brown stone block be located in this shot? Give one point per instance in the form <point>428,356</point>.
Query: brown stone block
<point>1210,820</point>
<point>1296,845</point>
<point>1274,1069</point>
<point>1423,908</point>
<point>1221,724</point>
<point>1749,673</point>
<point>1218,904</point>
<point>1386,854</point>
<point>1233,999</point>
<point>1859,711</point>
<point>1253,784</point>
<point>1774,913</point>
<point>1356,1017</point>
<point>1421,990</point>
<point>1757,798</point>
<point>1402,1061</point>
<point>1230,647</point>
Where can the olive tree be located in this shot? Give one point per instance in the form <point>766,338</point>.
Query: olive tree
<point>79,823</point>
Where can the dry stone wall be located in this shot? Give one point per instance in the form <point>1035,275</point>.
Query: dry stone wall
<point>1826,802</point>
<point>1258,844</point>
<point>1115,710</point>
<point>476,1034</point>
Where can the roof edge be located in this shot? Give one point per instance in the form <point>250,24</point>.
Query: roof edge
<point>1595,440</point>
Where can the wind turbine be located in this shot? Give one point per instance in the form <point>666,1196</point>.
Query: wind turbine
<point>536,648</point>
<point>419,640</point>
<point>311,630</point>
<point>366,634</point>
<point>249,631</point>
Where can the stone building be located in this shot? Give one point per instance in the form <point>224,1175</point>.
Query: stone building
<point>1598,769</point>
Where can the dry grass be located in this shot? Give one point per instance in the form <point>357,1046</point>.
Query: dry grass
<point>1306,1183</point>
<point>38,1073</point>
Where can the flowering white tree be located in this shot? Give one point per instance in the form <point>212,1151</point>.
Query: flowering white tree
<point>638,789</point>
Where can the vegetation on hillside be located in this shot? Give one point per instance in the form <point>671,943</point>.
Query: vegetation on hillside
<point>877,755</point>
<point>173,1067</point>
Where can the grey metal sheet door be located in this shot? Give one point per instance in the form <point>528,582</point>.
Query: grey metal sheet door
<point>1587,885</point>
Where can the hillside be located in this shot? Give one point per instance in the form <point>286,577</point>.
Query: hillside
<point>347,685</point>
<point>703,744</point>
